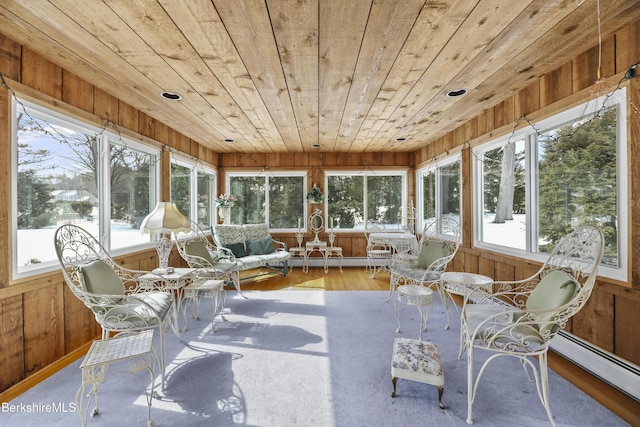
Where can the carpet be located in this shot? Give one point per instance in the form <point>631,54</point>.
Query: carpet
<point>308,358</point>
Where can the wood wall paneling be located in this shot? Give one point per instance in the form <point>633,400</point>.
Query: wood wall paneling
<point>12,355</point>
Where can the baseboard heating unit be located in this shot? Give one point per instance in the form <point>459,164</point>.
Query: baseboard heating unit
<point>619,373</point>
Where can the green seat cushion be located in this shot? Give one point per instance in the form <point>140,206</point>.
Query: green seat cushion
<point>98,277</point>
<point>260,246</point>
<point>238,249</point>
<point>430,252</point>
<point>198,249</point>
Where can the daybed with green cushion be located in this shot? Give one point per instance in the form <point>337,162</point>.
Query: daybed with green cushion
<point>253,247</point>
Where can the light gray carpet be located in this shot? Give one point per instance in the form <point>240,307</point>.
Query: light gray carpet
<point>308,358</point>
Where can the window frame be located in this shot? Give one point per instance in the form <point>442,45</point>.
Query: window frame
<point>436,167</point>
<point>583,110</point>
<point>275,174</point>
<point>403,173</point>
<point>196,167</point>
<point>104,138</point>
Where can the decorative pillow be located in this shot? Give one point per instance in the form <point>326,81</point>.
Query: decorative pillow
<point>431,251</point>
<point>238,249</point>
<point>260,246</point>
<point>556,288</point>
<point>198,249</point>
<point>98,277</point>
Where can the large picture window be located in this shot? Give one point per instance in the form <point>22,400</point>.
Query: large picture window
<point>274,198</point>
<point>59,178</point>
<point>355,198</point>
<point>438,192</point>
<point>553,176</point>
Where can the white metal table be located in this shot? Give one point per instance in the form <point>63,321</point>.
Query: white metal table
<point>462,283</point>
<point>398,241</point>
<point>316,246</point>
<point>134,348</point>
<point>173,281</point>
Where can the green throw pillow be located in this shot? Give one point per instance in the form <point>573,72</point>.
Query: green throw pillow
<point>98,277</point>
<point>260,246</point>
<point>431,251</point>
<point>237,249</point>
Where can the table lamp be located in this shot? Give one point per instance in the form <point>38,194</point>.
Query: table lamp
<point>164,219</point>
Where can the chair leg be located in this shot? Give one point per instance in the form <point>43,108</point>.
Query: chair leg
<point>397,303</point>
<point>543,387</point>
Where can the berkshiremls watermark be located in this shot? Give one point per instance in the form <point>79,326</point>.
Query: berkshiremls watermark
<point>39,407</point>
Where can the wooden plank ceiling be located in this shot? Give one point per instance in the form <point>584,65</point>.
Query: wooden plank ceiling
<point>283,75</point>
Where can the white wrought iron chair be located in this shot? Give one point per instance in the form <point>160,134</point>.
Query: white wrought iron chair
<point>379,252</point>
<point>214,266</point>
<point>415,279</point>
<point>520,318</point>
<point>121,301</point>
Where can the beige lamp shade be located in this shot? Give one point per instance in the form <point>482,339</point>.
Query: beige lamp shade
<point>165,218</point>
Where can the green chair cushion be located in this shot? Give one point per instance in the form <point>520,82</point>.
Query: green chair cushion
<point>431,251</point>
<point>98,277</point>
<point>555,289</point>
<point>198,249</point>
<point>238,249</point>
<point>260,246</point>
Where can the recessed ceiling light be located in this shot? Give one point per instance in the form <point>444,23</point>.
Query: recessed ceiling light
<point>457,92</point>
<point>229,140</point>
<point>316,145</point>
<point>171,96</point>
<point>401,139</point>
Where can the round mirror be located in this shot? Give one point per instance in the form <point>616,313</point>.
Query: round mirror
<point>316,222</point>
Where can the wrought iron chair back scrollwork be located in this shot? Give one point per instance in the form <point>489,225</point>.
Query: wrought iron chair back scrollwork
<point>212,264</point>
<point>520,318</point>
<point>120,300</point>
<point>415,278</point>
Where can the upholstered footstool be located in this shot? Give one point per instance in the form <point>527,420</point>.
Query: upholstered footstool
<point>417,360</point>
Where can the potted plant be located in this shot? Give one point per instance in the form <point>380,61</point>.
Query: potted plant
<point>225,202</point>
<point>315,195</point>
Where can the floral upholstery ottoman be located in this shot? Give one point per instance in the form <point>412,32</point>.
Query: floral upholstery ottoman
<point>417,361</point>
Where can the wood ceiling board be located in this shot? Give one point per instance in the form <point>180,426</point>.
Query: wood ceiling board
<point>178,67</point>
<point>389,24</point>
<point>248,23</point>
<point>295,26</point>
<point>342,25</point>
<point>435,26</point>
<point>202,26</point>
<point>480,28</point>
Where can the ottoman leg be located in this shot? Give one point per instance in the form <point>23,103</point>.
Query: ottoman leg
<point>440,391</point>
<point>394,380</point>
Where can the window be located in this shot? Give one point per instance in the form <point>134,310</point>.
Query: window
<point>277,199</point>
<point>193,191</point>
<point>59,177</point>
<point>438,189</point>
<point>553,176</point>
<point>355,198</point>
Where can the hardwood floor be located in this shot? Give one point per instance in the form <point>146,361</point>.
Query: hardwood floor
<point>350,279</point>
